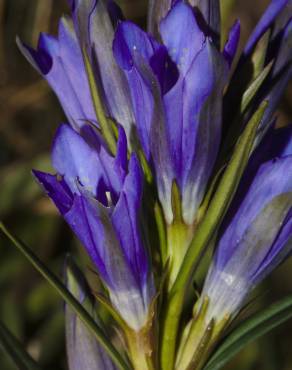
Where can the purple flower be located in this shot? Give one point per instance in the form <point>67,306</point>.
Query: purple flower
<point>256,236</point>
<point>83,351</point>
<point>176,90</point>
<point>60,61</point>
<point>100,198</point>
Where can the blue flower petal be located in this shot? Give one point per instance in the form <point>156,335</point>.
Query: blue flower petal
<point>60,62</point>
<point>92,224</point>
<point>96,32</point>
<point>74,159</point>
<point>281,74</point>
<point>182,36</point>
<point>126,220</point>
<point>265,23</point>
<point>56,189</point>
<point>210,10</point>
<point>272,179</point>
<point>231,45</point>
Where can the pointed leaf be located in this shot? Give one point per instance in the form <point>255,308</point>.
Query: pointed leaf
<point>251,329</point>
<point>68,298</point>
<point>254,87</point>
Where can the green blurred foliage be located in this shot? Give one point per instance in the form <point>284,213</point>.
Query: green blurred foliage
<point>29,116</point>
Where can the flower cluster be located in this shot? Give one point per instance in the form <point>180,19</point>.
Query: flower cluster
<point>169,102</point>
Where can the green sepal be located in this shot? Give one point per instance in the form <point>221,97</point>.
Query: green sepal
<point>259,54</point>
<point>105,123</point>
<point>145,166</point>
<point>246,102</point>
<point>250,330</point>
<point>201,337</point>
<point>15,350</point>
<point>203,347</point>
<point>254,87</point>
<point>161,229</point>
<point>61,289</point>
<point>209,194</point>
<point>142,344</point>
<point>176,203</point>
<point>106,304</point>
<point>191,335</point>
<point>214,215</point>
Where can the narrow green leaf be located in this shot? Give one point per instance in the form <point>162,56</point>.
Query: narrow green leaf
<point>216,211</point>
<point>246,101</point>
<point>106,124</point>
<point>259,55</point>
<point>15,350</point>
<point>253,328</point>
<point>254,87</point>
<point>161,232</point>
<point>68,298</point>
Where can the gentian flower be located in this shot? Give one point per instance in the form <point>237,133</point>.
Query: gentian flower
<point>255,239</point>
<point>256,236</point>
<point>167,95</point>
<point>61,62</point>
<point>100,198</point>
<point>83,351</point>
<point>209,11</point>
<point>177,113</point>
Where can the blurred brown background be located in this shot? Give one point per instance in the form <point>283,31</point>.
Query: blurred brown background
<point>29,115</point>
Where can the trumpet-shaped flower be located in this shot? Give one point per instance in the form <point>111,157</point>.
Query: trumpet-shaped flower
<point>100,198</point>
<point>256,236</point>
<point>61,62</point>
<point>177,112</point>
